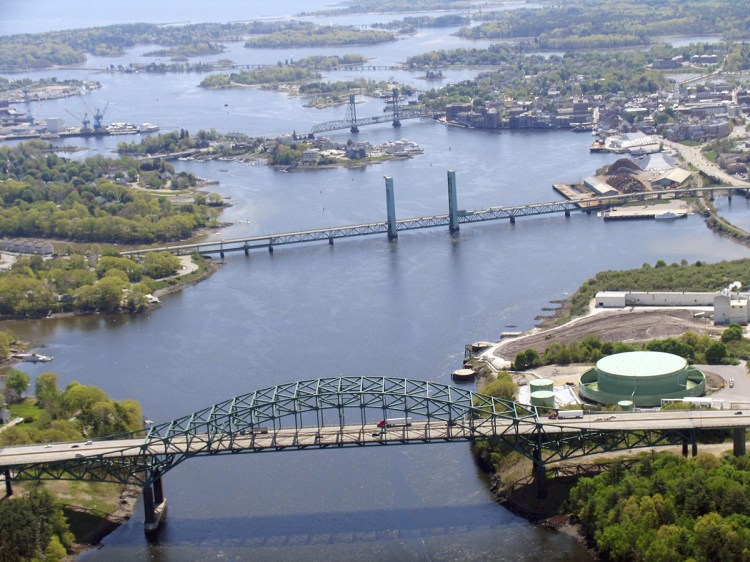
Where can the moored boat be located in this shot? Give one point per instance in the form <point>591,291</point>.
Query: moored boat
<point>32,357</point>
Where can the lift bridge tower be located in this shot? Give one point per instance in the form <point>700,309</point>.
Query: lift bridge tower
<point>351,114</point>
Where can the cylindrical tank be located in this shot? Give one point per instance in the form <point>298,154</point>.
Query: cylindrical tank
<point>541,384</point>
<point>543,399</point>
<point>463,375</point>
<point>479,346</point>
<point>626,405</point>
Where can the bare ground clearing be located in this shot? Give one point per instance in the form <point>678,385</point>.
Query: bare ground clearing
<point>627,325</point>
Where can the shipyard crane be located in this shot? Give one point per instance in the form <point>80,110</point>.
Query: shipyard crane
<point>84,120</point>
<point>98,115</point>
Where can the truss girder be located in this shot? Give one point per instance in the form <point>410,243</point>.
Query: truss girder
<point>493,213</point>
<point>384,118</point>
<point>293,416</point>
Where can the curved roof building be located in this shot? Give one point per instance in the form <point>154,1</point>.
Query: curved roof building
<point>644,377</point>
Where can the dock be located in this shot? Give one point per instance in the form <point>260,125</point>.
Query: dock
<point>669,210</point>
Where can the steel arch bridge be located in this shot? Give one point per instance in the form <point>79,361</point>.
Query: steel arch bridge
<point>334,412</point>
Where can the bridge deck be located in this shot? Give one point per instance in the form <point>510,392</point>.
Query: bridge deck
<point>430,221</point>
<point>421,431</point>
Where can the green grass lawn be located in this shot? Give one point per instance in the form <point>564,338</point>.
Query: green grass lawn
<point>25,409</point>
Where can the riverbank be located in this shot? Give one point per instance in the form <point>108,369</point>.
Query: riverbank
<point>89,526</point>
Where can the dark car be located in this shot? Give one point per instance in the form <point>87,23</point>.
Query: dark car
<point>738,413</point>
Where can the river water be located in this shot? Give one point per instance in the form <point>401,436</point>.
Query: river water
<point>362,307</point>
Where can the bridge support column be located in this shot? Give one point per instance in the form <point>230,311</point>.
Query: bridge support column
<point>540,474</point>
<point>247,250</point>
<point>512,220</point>
<point>452,202</point>
<point>739,447</point>
<point>694,448</point>
<point>391,209</point>
<point>270,248</point>
<point>567,213</point>
<point>330,241</point>
<point>8,483</point>
<point>684,447</point>
<point>154,506</point>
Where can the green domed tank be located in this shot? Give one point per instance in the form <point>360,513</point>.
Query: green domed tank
<point>626,405</point>
<point>543,399</point>
<point>541,384</point>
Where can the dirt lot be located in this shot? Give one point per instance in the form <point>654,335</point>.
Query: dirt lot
<point>626,325</point>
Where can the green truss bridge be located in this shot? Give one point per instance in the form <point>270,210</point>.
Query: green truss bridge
<point>344,412</point>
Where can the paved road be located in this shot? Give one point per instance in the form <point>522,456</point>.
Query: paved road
<point>693,155</point>
<point>418,431</point>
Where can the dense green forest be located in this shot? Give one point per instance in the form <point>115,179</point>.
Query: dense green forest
<point>319,36</point>
<point>575,24</point>
<point>668,508</point>
<point>270,75</point>
<point>48,196</point>
<point>44,50</point>
<point>300,71</point>
<point>36,287</point>
<point>33,528</point>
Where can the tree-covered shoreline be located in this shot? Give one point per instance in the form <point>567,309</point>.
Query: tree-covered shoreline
<point>43,195</point>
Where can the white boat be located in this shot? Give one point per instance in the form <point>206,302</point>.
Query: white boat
<point>670,215</point>
<point>148,128</point>
<point>32,357</point>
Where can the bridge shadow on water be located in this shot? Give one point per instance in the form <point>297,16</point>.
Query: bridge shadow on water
<point>345,527</point>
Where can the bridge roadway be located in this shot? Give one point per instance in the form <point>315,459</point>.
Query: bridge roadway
<point>420,431</point>
<point>464,217</point>
<point>400,115</point>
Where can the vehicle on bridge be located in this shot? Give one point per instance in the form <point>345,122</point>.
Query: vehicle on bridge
<point>566,414</point>
<point>395,422</point>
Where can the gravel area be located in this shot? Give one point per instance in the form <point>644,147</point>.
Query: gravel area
<point>626,325</point>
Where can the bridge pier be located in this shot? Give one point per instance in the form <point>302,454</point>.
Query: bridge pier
<point>693,446</point>
<point>567,213</point>
<point>540,474</point>
<point>330,240</point>
<point>739,448</point>
<point>452,202</point>
<point>8,483</point>
<point>391,209</point>
<point>270,248</point>
<point>247,250</point>
<point>154,506</point>
<point>512,220</point>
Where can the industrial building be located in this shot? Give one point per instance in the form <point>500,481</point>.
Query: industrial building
<point>729,305</point>
<point>641,377</point>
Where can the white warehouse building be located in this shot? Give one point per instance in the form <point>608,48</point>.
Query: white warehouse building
<point>729,306</point>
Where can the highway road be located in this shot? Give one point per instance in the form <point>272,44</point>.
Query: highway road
<point>335,436</point>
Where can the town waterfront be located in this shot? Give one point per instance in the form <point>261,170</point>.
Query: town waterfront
<point>362,307</point>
